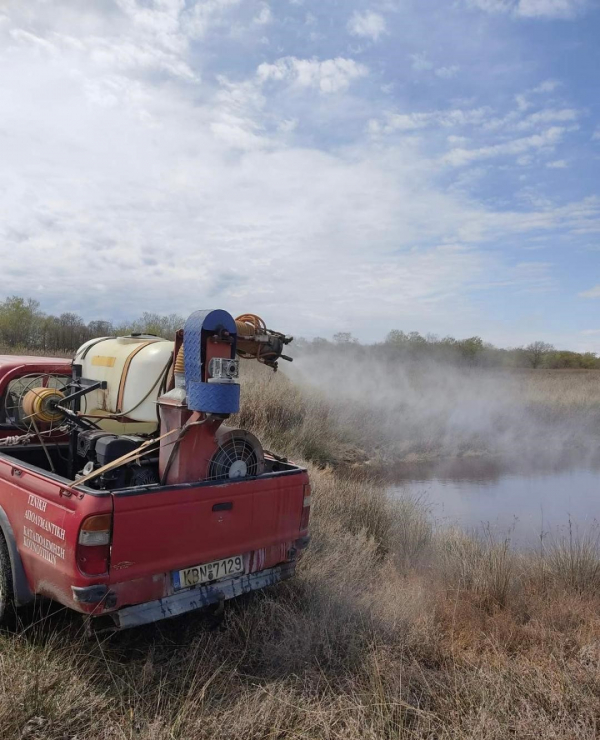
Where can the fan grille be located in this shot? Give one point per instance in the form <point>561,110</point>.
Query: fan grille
<point>235,458</point>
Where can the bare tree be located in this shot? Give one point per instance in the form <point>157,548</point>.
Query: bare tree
<point>344,337</point>
<point>536,352</point>
<point>154,323</point>
<point>100,328</point>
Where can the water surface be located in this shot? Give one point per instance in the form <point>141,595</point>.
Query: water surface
<point>519,503</point>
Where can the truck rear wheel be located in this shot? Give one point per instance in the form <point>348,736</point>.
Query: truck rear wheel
<point>6,583</point>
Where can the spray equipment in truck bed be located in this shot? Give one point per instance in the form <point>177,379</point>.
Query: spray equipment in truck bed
<point>141,410</point>
<point>206,395</point>
<point>256,342</point>
<point>209,343</point>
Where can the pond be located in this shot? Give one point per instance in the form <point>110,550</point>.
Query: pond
<point>515,502</point>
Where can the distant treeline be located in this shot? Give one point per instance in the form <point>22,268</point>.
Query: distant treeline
<point>473,351</point>
<point>23,325</point>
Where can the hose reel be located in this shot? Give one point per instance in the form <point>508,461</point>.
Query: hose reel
<point>41,405</point>
<point>32,401</point>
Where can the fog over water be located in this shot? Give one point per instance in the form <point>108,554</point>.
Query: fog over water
<point>483,444</point>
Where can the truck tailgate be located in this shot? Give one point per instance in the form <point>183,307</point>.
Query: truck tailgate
<point>160,529</point>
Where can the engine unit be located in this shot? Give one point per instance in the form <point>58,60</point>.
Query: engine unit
<point>98,449</point>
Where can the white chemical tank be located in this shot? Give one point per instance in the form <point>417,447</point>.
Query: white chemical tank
<point>134,369</point>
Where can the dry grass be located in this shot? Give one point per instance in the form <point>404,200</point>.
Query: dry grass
<point>573,389</point>
<point>573,561</point>
<point>389,631</point>
<point>478,565</point>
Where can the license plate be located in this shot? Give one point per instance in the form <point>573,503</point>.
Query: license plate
<point>207,572</point>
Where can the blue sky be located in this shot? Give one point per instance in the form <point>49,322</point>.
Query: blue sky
<point>335,166</point>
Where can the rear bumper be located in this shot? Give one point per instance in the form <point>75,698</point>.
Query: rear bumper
<point>198,597</point>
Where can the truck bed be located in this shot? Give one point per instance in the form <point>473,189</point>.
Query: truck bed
<point>157,532</point>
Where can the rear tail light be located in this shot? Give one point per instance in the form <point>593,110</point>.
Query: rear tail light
<point>93,545</point>
<point>305,508</point>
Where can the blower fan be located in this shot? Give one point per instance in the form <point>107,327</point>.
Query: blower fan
<point>31,402</point>
<point>239,455</point>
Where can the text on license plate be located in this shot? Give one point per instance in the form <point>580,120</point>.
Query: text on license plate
<point>208,572</point>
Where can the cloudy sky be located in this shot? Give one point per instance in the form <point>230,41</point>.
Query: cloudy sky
<point>428,165</point>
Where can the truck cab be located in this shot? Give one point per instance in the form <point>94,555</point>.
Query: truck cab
<point>131,528</point>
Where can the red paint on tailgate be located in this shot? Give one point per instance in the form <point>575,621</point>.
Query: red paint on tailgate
<point>155,532</point>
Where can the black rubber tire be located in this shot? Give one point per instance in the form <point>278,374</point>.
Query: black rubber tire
<point>6,583</point>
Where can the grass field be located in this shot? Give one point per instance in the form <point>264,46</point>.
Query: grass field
<point>392,629</point>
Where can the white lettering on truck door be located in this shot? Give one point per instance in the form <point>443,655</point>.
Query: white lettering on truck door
<point>37,541</point>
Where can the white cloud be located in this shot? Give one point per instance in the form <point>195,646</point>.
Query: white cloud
<point>420,62</point>
<point>393,122</point>
<point>155,41</point>
<point>550,8</point>
<point>581,217</point>
<point>236,112</point>
<point>329,76</point>
<point>163,175</point>
<point>447,73</point>
<point>206,15</point>
<point>548,139</point>
<point>549,115</point>
<point>522,102</point>
<point>591,293</point>
<point>493,6</point>
<point>264,16</point>
<point>533,8</point>
<point>523,99</point>
<point>596,134</point>
<point>547,86</point>
<point>25,37</point>
<point>288,125</point>
<point>558,164</point>
<point>368,25</point>
<point>159,198</point>
<point>516,120</point>
<point>161,23</point>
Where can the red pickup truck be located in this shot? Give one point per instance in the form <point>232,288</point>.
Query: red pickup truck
<point>162,538</point>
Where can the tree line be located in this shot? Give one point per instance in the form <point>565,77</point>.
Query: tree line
<point>472,351</point>
<point>23,325</point>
